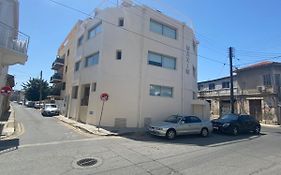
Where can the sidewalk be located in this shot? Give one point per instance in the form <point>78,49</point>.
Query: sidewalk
<point>7,125</point>
<point>270,125</point>
<point>105,131</point>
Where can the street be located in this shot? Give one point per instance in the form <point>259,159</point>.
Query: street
<point>47,146</point>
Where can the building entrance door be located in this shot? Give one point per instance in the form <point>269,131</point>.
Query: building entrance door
<point>255,109</point>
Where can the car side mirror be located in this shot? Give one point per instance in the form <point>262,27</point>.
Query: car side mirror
<point>182,122</point>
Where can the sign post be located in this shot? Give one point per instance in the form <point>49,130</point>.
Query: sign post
<point>104,97</point>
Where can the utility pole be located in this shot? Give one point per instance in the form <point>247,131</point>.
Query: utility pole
<point>40,90</point>
<point>231,80</point>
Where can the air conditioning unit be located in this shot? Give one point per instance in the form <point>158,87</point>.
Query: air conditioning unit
<point>261,88</point>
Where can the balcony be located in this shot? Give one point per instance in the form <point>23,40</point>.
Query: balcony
<point>58,63</point>
<point>216,93</point>
<point>262,90</point>
<point>13,45</point>
<point>56,78</point>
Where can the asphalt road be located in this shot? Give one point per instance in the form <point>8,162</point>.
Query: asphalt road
<point>49,147</point>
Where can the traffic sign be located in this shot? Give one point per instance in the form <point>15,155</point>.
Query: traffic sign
<point>104,97</point>
<point>6,90</point>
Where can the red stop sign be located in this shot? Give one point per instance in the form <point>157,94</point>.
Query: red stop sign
<point>6,90</point>
<point>104,97</point>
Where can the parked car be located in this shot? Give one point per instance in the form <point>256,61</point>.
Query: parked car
<point>235,124</point>
<point>30,104</point>
<point>50,110</point>
<point>38,105</point>
<point>20,102</point>
<point>180,125</point>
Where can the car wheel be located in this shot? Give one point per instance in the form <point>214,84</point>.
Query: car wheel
<point>235,130</point>
<point>171,134</point>
<point>204,132</point>
<point>257,129</point>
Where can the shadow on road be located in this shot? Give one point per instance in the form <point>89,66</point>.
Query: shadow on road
<point>213,140</point>
<point>8,145</point>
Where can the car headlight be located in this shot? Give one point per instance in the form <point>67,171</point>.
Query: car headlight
<point>226,125</point>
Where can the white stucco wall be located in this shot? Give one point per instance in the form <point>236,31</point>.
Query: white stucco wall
<point>127,80</point>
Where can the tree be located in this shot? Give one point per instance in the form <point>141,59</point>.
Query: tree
<point>32,89</point>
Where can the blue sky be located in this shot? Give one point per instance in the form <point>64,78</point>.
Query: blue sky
<point>252,27</point>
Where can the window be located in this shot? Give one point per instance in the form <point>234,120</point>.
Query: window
<point>200,87</point>
<point>194,119</point>
<point>163,29</point>
<point>74,92</point>
<point>161,60</point>
<point>118,54</point>
<point>267,80</point>
<point>194,71</point>
<point>225,84</point>
<point>277,80</point>
<point>80,41</point>
<point>211,86</point>
<point>194,96</point>
<point>65,69</point>
<point>94,31</point>
<point>68,52</point>
<point>77,65</point>
<point>94,87</point>
<point>163,91</point>
<point>121,22</point>
<point>92,60</point>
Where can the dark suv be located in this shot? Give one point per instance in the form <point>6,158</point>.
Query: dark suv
<point>235,124</point>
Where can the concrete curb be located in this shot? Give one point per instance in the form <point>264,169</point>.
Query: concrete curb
<point>85,127</point>
<point>271,126</point>
<point>9,126</point>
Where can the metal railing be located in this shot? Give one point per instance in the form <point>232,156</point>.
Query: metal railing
<point>11,38</point>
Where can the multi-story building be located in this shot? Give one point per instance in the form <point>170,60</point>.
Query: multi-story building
<point>145,60</point>
<point>256,88</point>
<point>13,44</point>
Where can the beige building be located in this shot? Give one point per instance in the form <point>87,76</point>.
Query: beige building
<point>13,44</point>
<point>257,90</point>
<point>145,60</point>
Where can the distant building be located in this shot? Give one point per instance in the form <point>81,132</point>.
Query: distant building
<point>257,90</point>
<point>144,60</point>
<point>13,44</point>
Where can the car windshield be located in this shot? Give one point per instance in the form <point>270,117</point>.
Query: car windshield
<point>229,117</point>
<point>51,106</point>
<point>173,119</point>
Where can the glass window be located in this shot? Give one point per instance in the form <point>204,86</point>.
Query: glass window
<point>168,62</point>
<point>267,80</point>
<point>155,27</point>
<point>166,91</point>
<point>94,87</point>
<point>80,40</point>
<point>155,90</point>
<point>163,29</point>
<point>163,91</point>
<point>77,65</point>
<point>161,60</point>
<point>154,59</point>
<point>225,84</point>
<point>118,54</point>
<point>121,22</point>
<point>169,32</point>
<point>173,119</point>
<point>92,60</point>
<point>194,71</point>
<point>211,86</point>
<point>277,79</point>
<point>94,31</point>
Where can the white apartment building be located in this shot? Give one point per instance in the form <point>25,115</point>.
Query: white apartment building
<point>146,62</point>
<point>13,44</point>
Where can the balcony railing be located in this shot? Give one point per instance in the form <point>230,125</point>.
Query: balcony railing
<point>217,93</point>
<point>56,78</point>
<point>58,63</point>
<point>12,39</point>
